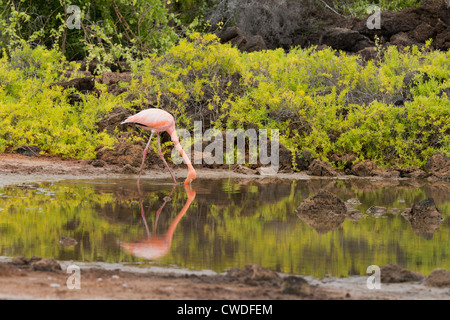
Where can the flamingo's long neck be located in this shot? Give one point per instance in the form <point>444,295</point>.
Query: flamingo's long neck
<point>176,142</point>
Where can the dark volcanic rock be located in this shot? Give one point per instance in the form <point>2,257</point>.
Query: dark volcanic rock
<point>97,163</point>
<point>376,210</point>
<point>425,209</point>
<point>412,26</point>
<point>127,153</point>
<point>252,274</point>
<point>110,78</point>
<point>396,22</point>
<point>242,41</point>
<point>254,43</point>
<point>393,273</point>
<point>81,84</point>
<point>323,202</point>
<point>46,265</point>
<point>352,213</point>
<point>411,78</point>
<point>364,169</point>
<point>424,218</point>
<point>20,261</point>
<point>443,40</point>
<point>284,158</point>
<point>128,169</point>
<point>345,39</point>
<point>402,39</point>
<point>439,165</point>
<point>230,33</point>
<point>445,91</point>
<point>304,160</point>
<point>115,90</point>
<point>323,211</point>
<point>412,172</point>
<point>321,169</point>
<point>345,160</point>
<point>438,278</point>
<point>113,120</point>
<point>423,32</point>
<point>295,285</point>
<point>368,53</point>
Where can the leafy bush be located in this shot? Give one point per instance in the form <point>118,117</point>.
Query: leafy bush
<point>320,101</point>
<point>359,7</point>
<point>196,80</point>
<point>143,24</point>
<point>34,111</point>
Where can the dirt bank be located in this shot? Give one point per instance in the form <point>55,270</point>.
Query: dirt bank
<point>115,281</point>
<point>15,168</point>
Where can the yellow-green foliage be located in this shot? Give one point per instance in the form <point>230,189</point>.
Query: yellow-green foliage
<point>36,112</point>
<point>195,76</point>
<point>321,101</point>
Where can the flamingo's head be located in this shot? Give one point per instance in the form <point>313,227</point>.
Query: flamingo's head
<point>190,177</point>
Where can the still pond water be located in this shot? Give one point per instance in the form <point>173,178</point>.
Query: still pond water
<point>222,224</point>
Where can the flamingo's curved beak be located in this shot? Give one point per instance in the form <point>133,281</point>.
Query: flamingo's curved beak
<point>188,181</point>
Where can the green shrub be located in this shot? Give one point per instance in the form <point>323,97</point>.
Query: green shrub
<point>322,102</point>
<point>359,7</point>
<point>146,25</point>
<point>34,111</point>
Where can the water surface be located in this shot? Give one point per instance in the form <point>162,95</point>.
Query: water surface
<point>221,224</point>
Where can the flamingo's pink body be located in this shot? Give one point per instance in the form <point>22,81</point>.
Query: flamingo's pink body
<point>156,121</point>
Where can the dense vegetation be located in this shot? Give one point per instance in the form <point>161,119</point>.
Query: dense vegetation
<point>322,101</point>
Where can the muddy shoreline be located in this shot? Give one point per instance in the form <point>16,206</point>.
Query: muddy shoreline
<point>102,281</point>
<point>120,281</point>
<point>15,169</point>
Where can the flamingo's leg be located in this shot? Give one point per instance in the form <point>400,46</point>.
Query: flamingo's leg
<point>143,158</point>
<point>162,157</point>
<point>142,211</point>
<point>160,209</point>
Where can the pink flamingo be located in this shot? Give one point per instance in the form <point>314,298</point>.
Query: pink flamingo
<point>155,247</point>
<point>157,120</point>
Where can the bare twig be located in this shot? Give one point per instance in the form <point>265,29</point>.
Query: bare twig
<point>63,46</point>
<point>326,5</point>
<point>127,26</point>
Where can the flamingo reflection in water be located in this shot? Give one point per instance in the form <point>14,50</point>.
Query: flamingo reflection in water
<point>154,246</point>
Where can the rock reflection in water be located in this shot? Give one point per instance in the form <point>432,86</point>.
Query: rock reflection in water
<point>424,218</point>
<point>326,212</point>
